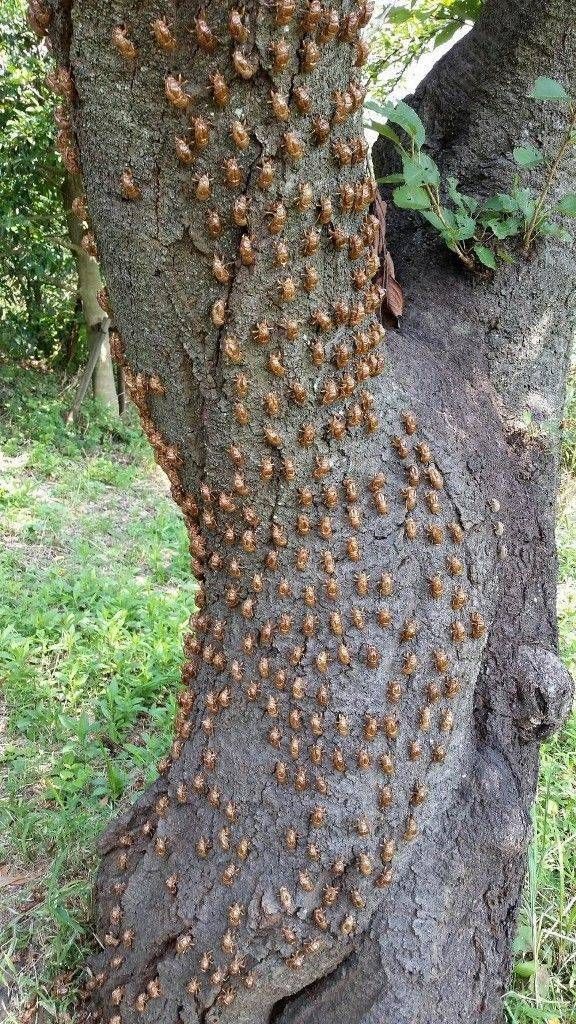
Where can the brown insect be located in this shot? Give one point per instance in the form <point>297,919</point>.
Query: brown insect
<point>162,34</point>
<point>342,152</point>
<point>330,392</point>
<point>240,135</point>
<point>88,243</point>
<point>203,188</point>
<point>243,66</point>
<point>204,35</point>
<point>266,174</point>
<point>291,328</point>
<point>214,224</point>
<point>436,586</point>
<point>281,55</point>
<point>281,254</point>
<point>278,216</point>
<point>312,16</point>
<point>220,89</point>
<point>280,105</point>
<point>458,632</point>
<point>361,53</point>
<point>38,17</point>
<point>238,30</point>
<point>293,145</point>
<point>262,332</point>
<point>60,80</point>
<point>123,43</point>
<point>240,211</point>
<point>275,364</point>
<point>302,99</point>
<point>365,13</point>
<point>285,10</point>
<point>175,93</point>
<point>305,197</point>
<point>326,210</point>
<point>320,129</point>
<point>477,626</point>
<point>201,131</point>
<point>184,153</point>
<point>310,56</point>
<point>311,241</point>
<point>321,319</point>
<point>233,173</point>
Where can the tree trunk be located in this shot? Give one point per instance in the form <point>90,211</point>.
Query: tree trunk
<point>97,342</point>
<point>90,285</point>
<point>103,380</point>
<point>339,833</point>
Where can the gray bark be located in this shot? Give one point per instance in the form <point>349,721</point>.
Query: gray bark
<point>364,798</point>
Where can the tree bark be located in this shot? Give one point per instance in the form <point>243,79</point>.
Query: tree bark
<point>90,285</point>
<point>104,381</point>
<point>339,833</point>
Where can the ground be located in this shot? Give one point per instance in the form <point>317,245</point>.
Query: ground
<point>94,596</point>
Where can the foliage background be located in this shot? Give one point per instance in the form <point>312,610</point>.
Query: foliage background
<point>37,269</point>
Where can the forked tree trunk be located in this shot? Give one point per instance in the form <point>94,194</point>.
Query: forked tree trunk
<point>339,834</point>
<point>90,285</point>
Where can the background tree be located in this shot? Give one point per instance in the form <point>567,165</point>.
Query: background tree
<point>339,832</point>
<point>46,279</point>
<point>37,279</point>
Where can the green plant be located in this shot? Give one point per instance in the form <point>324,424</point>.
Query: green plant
<point>479,233</point>
<point>403,33</point>
<point>37,274</point>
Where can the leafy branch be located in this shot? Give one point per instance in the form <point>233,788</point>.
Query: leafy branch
<point>479,234</point>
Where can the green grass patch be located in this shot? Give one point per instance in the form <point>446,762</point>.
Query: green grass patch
<point>96,591</point>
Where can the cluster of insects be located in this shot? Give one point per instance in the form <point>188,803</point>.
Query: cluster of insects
<point>334,614</point>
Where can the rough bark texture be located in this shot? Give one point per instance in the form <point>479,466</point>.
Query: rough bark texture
<point>339,833</point>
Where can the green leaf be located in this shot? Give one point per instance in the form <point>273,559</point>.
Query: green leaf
<point>505,256</point>
<point>433,219</point>
<point>378,108</point>
<point>420,171</point>
<point>527,156</point>
<point>549,229</point>
<point>445,35</point>
<point>503,227</point>
<point>525,968</point>
<point>548,89</point>
<point>567,205</point>
<point>486,256</point>
<point>407,119</point>
<point>525,202</point>
<point>460,200</point>
<point>500,203</point>
<point>386,131</point>
<point>411,198</point>
<point>391,179</point>
<point>466,226</point>
<point>399,15</point>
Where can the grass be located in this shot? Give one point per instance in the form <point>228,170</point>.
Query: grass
<point>95,592</point>
<point>94,576</point>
